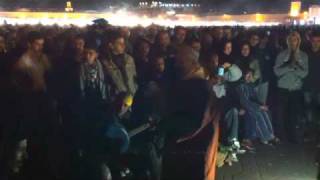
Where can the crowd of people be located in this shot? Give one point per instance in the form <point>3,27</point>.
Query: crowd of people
<point>105,102</point>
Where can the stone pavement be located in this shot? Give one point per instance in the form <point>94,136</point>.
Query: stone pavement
<point>283,162</point>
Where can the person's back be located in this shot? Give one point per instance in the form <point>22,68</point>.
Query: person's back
<point>188,118</point>
<point>187,102</point>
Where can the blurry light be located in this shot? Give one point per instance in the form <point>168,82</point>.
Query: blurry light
<point>295,8</point>
<point>259,17</point>
<point>305,15</point>
<point>171,13</point>
<point>124,18</point>
<point>226,17</point>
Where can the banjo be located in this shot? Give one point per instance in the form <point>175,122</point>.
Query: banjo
<point>118,132</point>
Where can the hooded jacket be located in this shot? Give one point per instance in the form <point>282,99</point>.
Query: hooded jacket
<point>291,74</point>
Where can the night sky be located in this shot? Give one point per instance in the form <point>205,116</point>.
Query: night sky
<point>216,5</point>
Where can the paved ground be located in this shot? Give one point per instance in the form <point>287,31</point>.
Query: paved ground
<point>283,162</point>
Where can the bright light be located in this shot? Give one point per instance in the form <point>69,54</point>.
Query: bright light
<point>171,13</point>
<point>260,18</point>
<point>305,15</point>
<point>295,8</point>
<point>125,18</point>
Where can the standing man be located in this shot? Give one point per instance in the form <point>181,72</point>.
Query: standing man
<point>291,68</point>
<point>34,111</point>
<point>120,67</point>
<point>312,86</point>
<point>84,121</point>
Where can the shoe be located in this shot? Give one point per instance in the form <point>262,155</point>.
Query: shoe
<point>240,151</point>
<point>247,144</point>
<point>231,158</point>
<point>275,141</point>
<point>236,147</point>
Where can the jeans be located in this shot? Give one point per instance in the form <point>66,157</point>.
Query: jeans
<point>231,125</point>
<point>263,91</point>
<point>312,104</point>
<point>290,122</point>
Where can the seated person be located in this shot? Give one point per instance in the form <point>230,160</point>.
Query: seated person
<point>257,120</point>
<point>225,90</point>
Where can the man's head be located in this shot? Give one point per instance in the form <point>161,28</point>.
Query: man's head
<point>117,43</point>
<point>35,42</point>
<point>196,45</point>
<point>163,39</point>
<point>90,53</point>
<point>78,44</point>
<point>218,33</point>
<point>180,34</point>
<point>228,33</point>
<point>294,41</point>
<point>245,50</point>
<point>254,40</point>
<point>125,32</point>
<point>186,60</point>
<point>158,64</point>
<point>264,40</point>
<point>315,41</point>
<point>143,48</point>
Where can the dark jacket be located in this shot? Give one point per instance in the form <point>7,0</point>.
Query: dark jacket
<point>187,101</point>
<point>312,80</point>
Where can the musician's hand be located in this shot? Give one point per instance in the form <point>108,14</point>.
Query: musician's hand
<point>264,108</point>
<point>242,112</point>
<point>180,140</point>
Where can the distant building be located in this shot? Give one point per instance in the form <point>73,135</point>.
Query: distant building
<point>167,5</point>
<point>314,13</point>
<point>295,8</point>
<point>69,7</point>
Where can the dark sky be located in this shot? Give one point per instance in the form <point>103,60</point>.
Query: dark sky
<point>217,5</point>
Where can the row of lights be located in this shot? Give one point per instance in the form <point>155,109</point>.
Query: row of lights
<point>172,5</point>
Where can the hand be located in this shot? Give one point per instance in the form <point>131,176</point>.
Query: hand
<point>264,108</point>
<point>226,65</point>
<point>242,112</point>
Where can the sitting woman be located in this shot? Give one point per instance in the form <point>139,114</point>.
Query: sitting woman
<point>257,119</point>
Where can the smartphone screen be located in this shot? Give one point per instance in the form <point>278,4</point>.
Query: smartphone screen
<point>221,71</point>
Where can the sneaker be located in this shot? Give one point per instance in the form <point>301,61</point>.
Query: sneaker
<point>231,158</point>
<point>236,144</point>
<point>240,151</point>
<point>237,147</point>
<point>234,157</point>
